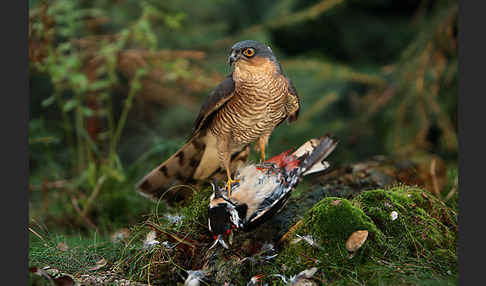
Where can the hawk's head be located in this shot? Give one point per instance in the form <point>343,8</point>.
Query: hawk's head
<point>251,53</point>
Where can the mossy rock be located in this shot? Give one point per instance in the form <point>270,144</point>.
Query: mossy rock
<point>416,246</point>
<point>330,223</point>
<point>424,228</point>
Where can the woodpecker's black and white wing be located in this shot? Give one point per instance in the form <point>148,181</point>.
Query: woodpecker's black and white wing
<point>263,189</point>
<point>265,192</point>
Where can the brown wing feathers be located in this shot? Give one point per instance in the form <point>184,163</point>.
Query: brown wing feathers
<point>293,104</point>
<point>180,168</point>
<point>216,99</point>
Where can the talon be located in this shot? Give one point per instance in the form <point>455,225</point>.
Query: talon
<point>228,185</point>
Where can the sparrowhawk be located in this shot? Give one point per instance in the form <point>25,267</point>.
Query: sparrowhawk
<point>245,108</point>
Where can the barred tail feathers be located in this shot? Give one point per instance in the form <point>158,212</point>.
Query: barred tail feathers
<point>194,162</point>
<point>178,169</point>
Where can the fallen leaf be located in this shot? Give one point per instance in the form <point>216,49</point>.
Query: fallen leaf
<point>99,264</point>
<point>356,240</point>
<point>64,281</point>
<point>62,246</point>
<point>53,272</point>
<point>336,202</point>
<point>120,235</point>
<point>40,272</point>
<point>50,273</point>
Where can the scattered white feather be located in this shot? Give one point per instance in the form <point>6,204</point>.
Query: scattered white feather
<point>307,238</point>
<point>194,277</point>
<point>174,219</point>
<point>150,240</point>
<point>293,280</point>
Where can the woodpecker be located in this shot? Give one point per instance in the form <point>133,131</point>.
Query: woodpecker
<point>262,189</point>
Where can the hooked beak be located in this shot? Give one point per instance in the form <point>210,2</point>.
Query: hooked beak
<point>233,58</point>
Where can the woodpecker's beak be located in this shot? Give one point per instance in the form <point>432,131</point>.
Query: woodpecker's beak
<point>258,277</point>
<point>233,58</point>
<point>219,240</point>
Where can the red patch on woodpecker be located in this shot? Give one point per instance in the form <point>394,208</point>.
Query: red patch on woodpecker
<point>228,231</point>
<point>292,165</point>
<point>279,159</point>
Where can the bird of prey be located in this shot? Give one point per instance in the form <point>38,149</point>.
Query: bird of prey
<point>245,108</point>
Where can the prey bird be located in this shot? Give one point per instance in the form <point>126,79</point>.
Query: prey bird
<point>264,188</point>
<point>245,108</point>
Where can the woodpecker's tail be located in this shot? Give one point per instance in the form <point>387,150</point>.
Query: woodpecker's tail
<point>194,162</point>
<point>313,153</point>
<point>309,157</point>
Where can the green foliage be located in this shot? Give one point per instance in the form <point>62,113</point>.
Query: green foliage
<point>82,95</point>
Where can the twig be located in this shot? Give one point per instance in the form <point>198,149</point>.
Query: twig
<point>78,210</point>
<point>93,196</point>
<point>318,107</point>
<point>175,237</point>
<point>134,88</point>
<point>38,235</point>
<point>434,178</point>
<point>290,231</point>
<point>453,190</point>
<point>286,20</point>
<point>59,184</point>
<point>310,13</point>
<point>335,71</point>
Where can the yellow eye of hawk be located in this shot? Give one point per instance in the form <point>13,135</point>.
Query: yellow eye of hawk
<point>249,52</point>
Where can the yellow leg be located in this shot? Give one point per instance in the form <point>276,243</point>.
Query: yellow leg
<point>230,181</point>
<point>261,145</point>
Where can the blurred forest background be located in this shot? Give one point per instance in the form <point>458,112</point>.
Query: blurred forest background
<point>115,86</point>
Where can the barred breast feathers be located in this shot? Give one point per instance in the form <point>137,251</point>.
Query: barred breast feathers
<point>257,106</point>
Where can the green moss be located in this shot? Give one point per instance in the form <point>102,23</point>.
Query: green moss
<point>192,227</point>
<point>196,212</point>
<point>335,219</point>
<point>425,226</point>
<point>416,247</point>
<point>330,223</point>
